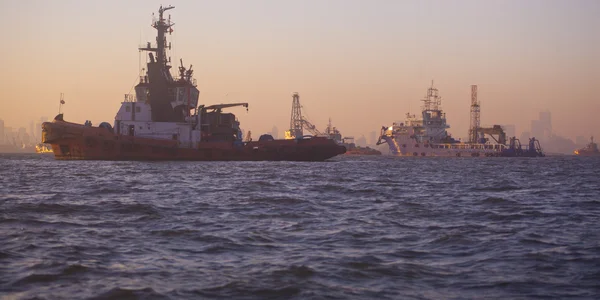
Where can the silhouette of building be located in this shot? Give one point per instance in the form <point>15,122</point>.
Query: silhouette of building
<point>2,132</point>
<point>509,130</point>
<point>536,129</point>
<point>542,128</point>
<point>31,130</point>
<point>361,141</point>
<point>372,137</point>
<point>546,123</point>
<point>22,137</point>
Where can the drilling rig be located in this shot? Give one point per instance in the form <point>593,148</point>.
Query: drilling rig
<point>475,116</point>
<point>299,123</point>
<point>477,133</point>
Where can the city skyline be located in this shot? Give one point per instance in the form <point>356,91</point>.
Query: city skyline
<point>363,65</point>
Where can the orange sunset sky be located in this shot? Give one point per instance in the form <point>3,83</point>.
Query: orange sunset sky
<point>362,63</point>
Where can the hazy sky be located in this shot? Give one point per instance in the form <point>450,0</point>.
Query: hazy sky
<point>362,63</point>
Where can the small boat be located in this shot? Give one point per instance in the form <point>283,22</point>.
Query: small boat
<point>590,149</point>
<point>43,148</point>
<point>348,142</point>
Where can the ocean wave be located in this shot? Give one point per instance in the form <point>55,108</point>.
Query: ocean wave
<point>368,228</point>
<point>124,293</point>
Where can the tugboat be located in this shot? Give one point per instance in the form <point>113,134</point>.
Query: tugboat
<point>590,149</point>
<point>163,121</point>
<point>427,136</point>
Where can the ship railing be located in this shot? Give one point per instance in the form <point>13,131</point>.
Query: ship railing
<point>129,98</point>
<point>473,147</point>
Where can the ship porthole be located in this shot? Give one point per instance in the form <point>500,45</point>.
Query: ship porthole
<point>403,145</point>
<point>422,153</point>
<point>458,154</point>
<point>415,154</point>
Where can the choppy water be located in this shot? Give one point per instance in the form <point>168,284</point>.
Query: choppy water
<point>352,228</point>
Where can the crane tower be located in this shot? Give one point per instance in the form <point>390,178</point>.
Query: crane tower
<point>475,116</point>
<point>296,119</point>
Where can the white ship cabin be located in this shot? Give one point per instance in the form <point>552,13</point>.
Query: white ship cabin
<point>134,118</point>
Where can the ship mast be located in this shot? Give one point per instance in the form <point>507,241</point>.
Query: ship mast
<point>158,84</point>
<point>432,101</point>
<point>162,27</point>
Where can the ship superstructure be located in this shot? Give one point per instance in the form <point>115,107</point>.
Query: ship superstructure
<point>427,135</point>
<point>164,121</point>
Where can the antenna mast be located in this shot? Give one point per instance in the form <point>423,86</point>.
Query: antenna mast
<point>432,101</point>
<point>162,26</point>
<point>61,102</point>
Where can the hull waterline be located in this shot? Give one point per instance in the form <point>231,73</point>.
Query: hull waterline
<point>79,142</point>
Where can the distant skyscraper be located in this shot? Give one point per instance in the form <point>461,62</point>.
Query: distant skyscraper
<point>537,130</point>
<point>38,132</point>
<point>32,132</point>
<point>372,137</point>
<point>22,137</point>
<point>275,132</point>
<point>546,123</point>
<point>1,132</point>
<point>546,120</point>
<point>542,128</point>
<point>361,141</point>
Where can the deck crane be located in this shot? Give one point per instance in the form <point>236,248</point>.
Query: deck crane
<point>310,127</point>
<point>219,107</point>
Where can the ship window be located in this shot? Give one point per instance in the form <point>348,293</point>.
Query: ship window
<point>137,110</point>
<point>127,108</point>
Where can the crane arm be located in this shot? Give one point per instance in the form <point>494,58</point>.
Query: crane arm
<point>310,127</point>
<point>219,107</point>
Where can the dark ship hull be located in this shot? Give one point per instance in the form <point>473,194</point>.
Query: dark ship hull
<point>72,141</point>
<point>583,152</point>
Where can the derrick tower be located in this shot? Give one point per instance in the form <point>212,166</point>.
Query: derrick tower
<point>475,116</point>
<point>296,119</point>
